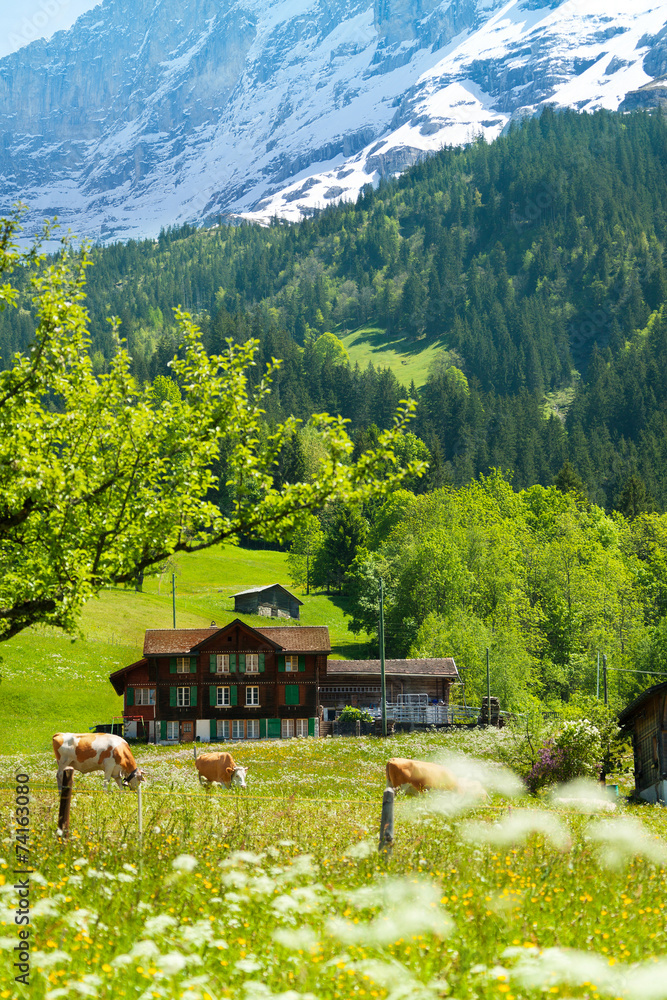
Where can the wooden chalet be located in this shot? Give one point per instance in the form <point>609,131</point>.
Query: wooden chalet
<point>274,601</point>
<point>235,682</point>
<point>239,682</point>
<point>646,719</point>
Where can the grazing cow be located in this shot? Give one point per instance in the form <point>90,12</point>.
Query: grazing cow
<point>219,768</point>
<point>87,752</point>
<point>419,775</point>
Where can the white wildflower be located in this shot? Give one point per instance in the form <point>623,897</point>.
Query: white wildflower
<point>409,908</point>
<point>622,839</point>
<point>517,827</point>
<point>184,863</point>
<point>171,963</point>
<point>159,924</point>
<point>302,939</point>
<point>584,795</point>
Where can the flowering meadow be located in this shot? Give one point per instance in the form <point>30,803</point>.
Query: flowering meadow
<point>279,890</point>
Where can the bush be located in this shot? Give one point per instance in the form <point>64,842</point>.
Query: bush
<point>575,752</point>
<point>350,714</point>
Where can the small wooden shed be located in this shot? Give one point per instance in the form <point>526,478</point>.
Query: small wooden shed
<point>273,601</point>
<point>646,719</point>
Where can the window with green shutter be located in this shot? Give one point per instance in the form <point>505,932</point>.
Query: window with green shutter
<point>193,695</point>
<point>232,662</point>
<point>173,695</point>
<point>241,663</point>
<point>163,729</point>
<point>281,664</point>
<point>302,663</point>
<point>129,696</point>
<point>193,664</point>
<point>213,732</point>
<point>273,728</point>
<point>262,729</point>
<point>311,727</point>
<point>213,695</point>
<point>234,695</point>
<point>213,663</point>
<point>261,663</point>
<point>291,694</point>
<point>172,664</point>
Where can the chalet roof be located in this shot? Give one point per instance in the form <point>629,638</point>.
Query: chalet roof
<point>431,667</point>
<point>629,712</point>
<point>268,586</point>
<point>117,678</point>
<point>291,638</point>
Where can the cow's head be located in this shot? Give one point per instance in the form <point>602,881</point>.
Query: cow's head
<point>238,776</point>
<point>133,778</point>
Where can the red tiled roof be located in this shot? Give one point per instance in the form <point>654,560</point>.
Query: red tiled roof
<point>294,638</point>
<point>432,667</point>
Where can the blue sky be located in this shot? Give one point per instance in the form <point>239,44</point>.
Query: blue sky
<point>22,21</point>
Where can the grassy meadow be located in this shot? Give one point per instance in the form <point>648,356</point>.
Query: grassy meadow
<point>279,890</point>
<point>409,361</point>
<point>51,681</point>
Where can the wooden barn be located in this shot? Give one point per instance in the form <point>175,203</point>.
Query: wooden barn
<point>238,682</point>
<point>646,719</point>
<point>273,601</point>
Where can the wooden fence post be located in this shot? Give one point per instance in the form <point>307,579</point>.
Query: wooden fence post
<point>65,802</point>
<point>387,822</point>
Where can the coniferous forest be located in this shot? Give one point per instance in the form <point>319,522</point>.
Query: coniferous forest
<point>536,266</point>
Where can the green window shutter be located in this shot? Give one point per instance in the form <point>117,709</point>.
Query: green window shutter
<point>214,729</point>
<point>163,729</point>
<point>261,663</point>
<point>172,664</point>
<point>311,727</point>
<point>129,696</point>
<point>212,696</point>
<point>281,664</point>
<point>232,662</point>
<point>291,694</point>
<point>262,729</point>
<point>193,665</point>
<point>302,663</point>
<point>193,695</point>
<point>213,663</point>
<point>172,697</point>
<point>233,697</point>
<point>241,663</point>
<point>273,728</point>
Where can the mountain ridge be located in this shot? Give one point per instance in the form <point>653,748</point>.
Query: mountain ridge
<point>148,114</point>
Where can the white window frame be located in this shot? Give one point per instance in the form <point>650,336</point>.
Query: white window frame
<point>252,696</point>
<point>292,664</point>
<point>223,693</point>
<point>172,731</point>
<point>222,663</point>
<point>252,727</point>
<point>286,728</point>
<point>144,696</point>
<point>222,729</point>
<point>182,664</point>
<point>301,727</point>
<point>183,697</point>
<point>252,663</point>
<point>238,729</point>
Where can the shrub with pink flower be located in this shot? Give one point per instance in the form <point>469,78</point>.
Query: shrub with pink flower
<point>575,752</point>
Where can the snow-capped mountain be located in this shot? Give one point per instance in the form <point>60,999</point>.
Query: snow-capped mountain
<point>148,113</point>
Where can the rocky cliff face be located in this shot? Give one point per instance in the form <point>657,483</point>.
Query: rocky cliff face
<point>153,112</point>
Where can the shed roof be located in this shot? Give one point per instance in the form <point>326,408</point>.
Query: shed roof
<point>297,638</point>
<point>627,714</point>
<point>431,667</point>
<point>269,586</point>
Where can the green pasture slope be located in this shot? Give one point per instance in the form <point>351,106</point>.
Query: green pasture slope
<point>51,681</point>
<point>408,360</point>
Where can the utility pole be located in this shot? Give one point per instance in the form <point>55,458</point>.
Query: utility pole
<point>604,678</point>
<point>383,686</point>
<point>173,597</point>
<point>597,686</point>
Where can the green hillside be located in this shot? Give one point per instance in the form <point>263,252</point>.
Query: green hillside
<point>408,360</point>
<point>52,682</point>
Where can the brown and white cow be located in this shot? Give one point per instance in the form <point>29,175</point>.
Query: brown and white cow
<point>420,775</point>
<point>87,752</point>
<point>219,767</point>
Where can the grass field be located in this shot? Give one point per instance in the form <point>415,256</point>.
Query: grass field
<point>408,361</point>
<point>278,891</point>
<point>52,682</point>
